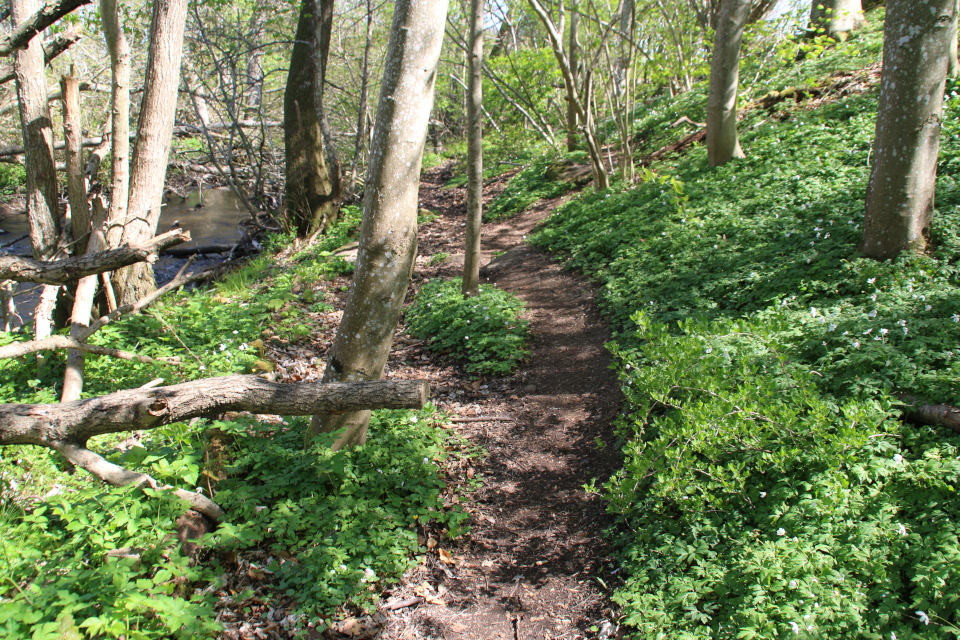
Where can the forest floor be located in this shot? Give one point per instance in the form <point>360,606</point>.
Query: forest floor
<point>535,561</point>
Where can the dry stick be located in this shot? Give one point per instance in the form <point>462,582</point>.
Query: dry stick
<point>18,349</point>
<point>484,419</point>
<point>20,37</point>
<point>53,343</point>
<point>51,49</point>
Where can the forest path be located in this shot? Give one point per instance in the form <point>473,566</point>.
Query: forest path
<point>529,567</point>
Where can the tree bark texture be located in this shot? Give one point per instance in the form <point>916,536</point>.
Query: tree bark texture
<point>916,51</point>
<point>471,260</point>
<point>119,118</point>
<point>29,25</point>
<point>836,18</point>
<point>51,49</point>
<point>76,187</point>
<point>388,234</point>
<point>136,409</point>
<point>312,192</point>
<point>722,141</point>
<point>58,272</point>
<point>148,166</point>
<point>35,122</point>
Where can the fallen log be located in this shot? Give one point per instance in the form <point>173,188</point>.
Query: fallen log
<point>185,252</point>
<point>58,272</point>
<point>65,427</point>
<point>696,136</point>
<point>135,409</point>
<point>937,415</point>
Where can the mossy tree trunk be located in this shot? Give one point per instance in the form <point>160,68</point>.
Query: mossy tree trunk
<point>722,141</point>
<point>312,184</point>
<point>916,51</point>
<point>471,261</point>
<point>388,234</point>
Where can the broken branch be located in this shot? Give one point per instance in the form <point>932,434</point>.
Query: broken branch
<point>57,272</point>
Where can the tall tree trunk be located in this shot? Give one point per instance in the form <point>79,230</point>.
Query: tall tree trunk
<point>41,177</point>
<point>722,141</point>
<point>362,108</point>
<point>573,50</point>
<point>953,70</point>
<point>148,167</point>
<point>73,155</point>
<point>471,256</point>
<point>388,234</point>
<point>836,18</point>
<point>312,192</point>
<point>119,118</point>
<point>916,52</point>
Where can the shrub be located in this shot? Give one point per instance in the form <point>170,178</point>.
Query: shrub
<point>485,332</point>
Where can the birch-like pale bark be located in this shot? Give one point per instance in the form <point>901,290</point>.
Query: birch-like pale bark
<point>471,256</point>
<point>836,18</point>
<point>388,234</point>
<point>148,166</point>
<point>916,52</point>
<point>722,141</point>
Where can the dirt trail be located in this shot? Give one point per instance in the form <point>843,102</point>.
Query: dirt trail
<point>529,567</point>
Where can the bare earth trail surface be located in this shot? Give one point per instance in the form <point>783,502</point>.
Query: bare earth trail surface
<point>529,568</point>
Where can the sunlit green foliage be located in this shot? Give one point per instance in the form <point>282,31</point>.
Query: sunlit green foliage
<point>485,331</point>
<point>769,488</point>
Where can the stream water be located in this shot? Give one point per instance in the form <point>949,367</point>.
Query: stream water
<point>212,216</point>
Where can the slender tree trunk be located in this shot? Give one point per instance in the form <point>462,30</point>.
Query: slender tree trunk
<point>73,154</point>
<point>722,141</point>
<point>119,118</point>
<point>583,106</point>
<point>836,18</point>
<point>388,234</point>
<point>41,177</point>
<point>148,167</point>
<point>574,52</point>
<point>312,197</point>
<point>916,52</point>
<point>362,109</point>
<point>82,311</point>
<point>471,259</point>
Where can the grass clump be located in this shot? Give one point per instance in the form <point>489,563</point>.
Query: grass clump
<point>770,488</point>
<point>484,332</point>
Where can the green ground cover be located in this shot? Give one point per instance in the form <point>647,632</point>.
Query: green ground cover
<point>335,527</point>
<point>770,488</point>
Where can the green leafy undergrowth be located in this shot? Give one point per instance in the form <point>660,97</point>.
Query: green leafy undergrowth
<point>761,507</point>
<point>525,188</point>
<point>340,525</point>
<point>485,332</point>
<point>770,488</point>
